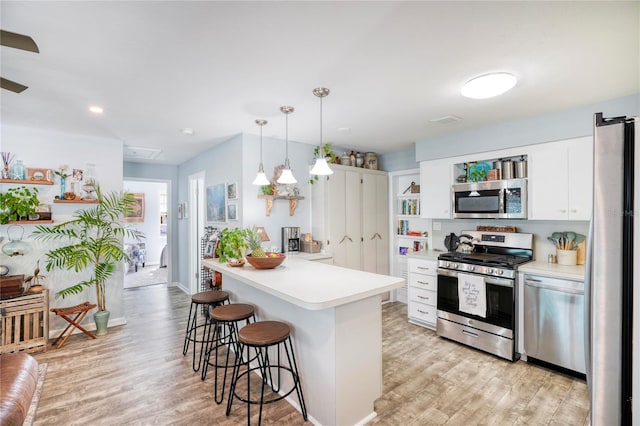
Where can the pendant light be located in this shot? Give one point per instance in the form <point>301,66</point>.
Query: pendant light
<point>321,168</point>
<point>286,177</point>
<point>261,178</point>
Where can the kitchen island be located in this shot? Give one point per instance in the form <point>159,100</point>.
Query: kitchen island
<point>336,319</point>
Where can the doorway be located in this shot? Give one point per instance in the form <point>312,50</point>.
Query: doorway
<point>149,259</point>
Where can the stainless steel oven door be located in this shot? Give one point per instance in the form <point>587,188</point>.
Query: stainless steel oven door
<point>500,299</point>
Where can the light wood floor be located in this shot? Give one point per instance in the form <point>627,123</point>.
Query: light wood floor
<point>137,375</point>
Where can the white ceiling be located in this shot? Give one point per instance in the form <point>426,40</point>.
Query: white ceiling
<point>215,67</point>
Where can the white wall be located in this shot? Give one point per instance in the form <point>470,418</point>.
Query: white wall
<point>46,149</point>
<point>151,226</point>
<point>253,213</point>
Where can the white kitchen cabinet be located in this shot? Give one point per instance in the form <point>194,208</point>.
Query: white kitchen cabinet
<point>422,290</point>
<point>375,223</point>
<point>435,188</point>
<point>561,180</point>
<point>342,211</point>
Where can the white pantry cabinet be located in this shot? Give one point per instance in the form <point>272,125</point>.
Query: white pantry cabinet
<point>345,211</point>
<point>435,188</point>
<point>561,180</point>
<point>375,223</point>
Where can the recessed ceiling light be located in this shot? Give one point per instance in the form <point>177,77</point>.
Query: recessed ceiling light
<point>96,109</point>
<point>187,131</point>
<point>488,85</point>
<point>344,129</point>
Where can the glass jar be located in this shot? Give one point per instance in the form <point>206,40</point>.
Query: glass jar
<point>359,159</point>
<point>18,171</point>
<point>89,186</point>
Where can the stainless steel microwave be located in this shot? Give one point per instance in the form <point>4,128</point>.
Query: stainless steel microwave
<point>495,199</point>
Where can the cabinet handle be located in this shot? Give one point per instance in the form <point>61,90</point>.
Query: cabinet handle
<point>424,268</point>
<point>376,235</point>
<point>423,312</point>
<point>563,211</point>
<point>422,282</point>
<point>423,297</point>
<point>574,210</point>
<point>343,238</point>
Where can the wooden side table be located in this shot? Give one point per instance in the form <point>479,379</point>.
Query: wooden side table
<point>25,323</point>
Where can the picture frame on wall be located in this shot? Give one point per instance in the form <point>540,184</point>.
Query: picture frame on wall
<point>137,211</point>
<point>232,191</point>
<point>216,203</point>
<point>232,211</point>
<point>208,250</point>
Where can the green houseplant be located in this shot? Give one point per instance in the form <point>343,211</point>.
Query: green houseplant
<point>231,245</point>
<point>94,241</point>
<point>18,202</point>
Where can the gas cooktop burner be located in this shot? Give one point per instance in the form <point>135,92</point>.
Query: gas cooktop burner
<point>490,259</point>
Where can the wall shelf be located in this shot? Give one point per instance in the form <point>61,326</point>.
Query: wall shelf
<point>75,201</point>
<point>268,201</point>
<point>27,181</point>
<point>29,222</point>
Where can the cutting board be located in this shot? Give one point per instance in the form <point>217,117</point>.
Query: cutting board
<point>581,256</point>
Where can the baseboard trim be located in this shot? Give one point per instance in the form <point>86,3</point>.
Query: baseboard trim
<point>91,326</point>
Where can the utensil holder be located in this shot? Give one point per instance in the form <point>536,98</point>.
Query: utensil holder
<point>566,257</point>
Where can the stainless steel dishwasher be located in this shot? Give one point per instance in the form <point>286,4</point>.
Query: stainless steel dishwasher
<point>554,321</point>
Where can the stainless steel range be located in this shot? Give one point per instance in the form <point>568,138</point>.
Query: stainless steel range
<point>477,292</point>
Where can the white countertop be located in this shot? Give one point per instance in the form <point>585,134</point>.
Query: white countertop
<point>429,254</point>
<point>309,256</point>
<point>554,270</point>
<point>310,285</point>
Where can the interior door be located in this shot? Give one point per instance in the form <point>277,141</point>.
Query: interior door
<point>196,228</point>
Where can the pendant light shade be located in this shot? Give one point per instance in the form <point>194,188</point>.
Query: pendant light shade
<point>287,178</point>
<point>261,178</point>
<point>321,168</point>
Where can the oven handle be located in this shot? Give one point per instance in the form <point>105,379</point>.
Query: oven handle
<point>503,282</point>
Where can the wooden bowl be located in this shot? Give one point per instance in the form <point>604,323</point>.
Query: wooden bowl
<point>265,262</point>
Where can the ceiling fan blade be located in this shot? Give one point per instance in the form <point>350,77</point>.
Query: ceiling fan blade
<point>18,41</point>
<point>12,85</point>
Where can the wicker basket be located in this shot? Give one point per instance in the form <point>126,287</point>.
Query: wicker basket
<point>311,246</point>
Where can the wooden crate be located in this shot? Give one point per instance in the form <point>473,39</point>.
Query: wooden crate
<point>25,323</point>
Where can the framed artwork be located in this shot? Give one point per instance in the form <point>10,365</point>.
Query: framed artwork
<point>137,212</point>
<point>208,250</point>
<point>216,203</point>
<point>232,211</point>
<point>232,191</point>
<point>77,174</point>
<point>39,174</point>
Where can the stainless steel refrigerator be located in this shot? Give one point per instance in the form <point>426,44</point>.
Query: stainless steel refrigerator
<point>609,281</point>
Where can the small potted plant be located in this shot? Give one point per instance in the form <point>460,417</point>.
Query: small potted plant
<point>231,246</point>
<point>18,203</point>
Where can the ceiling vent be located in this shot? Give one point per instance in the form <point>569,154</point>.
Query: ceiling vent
<point>138,153</point>
<point>447,119</point>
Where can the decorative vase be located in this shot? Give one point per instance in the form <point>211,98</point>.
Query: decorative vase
<point>63,187</point>
<point>102,319</point>
<point>18,171</point>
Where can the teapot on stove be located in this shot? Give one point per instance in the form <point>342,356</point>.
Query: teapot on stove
<point>466,244</point>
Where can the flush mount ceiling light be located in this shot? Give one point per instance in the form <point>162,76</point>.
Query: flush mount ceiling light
<point>286,177</point>
<point>488,85</point>
<point>321,168</point>
<point>187,131</point>
<point>261,178</point>
<point>96,109</point>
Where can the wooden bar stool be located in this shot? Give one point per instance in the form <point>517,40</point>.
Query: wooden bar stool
<point>80,311</point>
<point>199,300</point>
<point>261,336</point>
<point>225,321</point>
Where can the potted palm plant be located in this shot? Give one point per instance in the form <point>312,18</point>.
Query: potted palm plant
<point>94,241</point>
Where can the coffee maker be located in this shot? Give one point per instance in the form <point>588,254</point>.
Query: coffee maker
<point>290,239</point>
